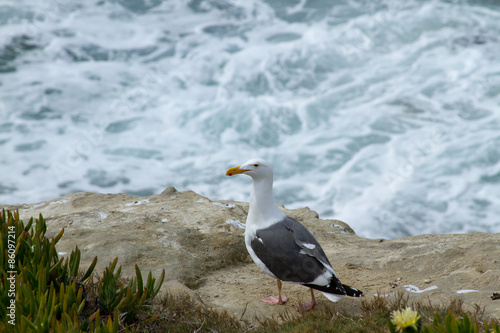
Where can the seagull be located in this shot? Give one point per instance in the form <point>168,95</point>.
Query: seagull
<point>281,246</point>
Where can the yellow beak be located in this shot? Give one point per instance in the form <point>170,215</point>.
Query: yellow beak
<point>235,171</point>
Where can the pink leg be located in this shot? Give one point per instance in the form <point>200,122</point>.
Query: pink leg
<point>308,306</point>
<point>276,300</point>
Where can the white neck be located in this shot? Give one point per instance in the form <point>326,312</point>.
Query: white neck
<point>263,209</point>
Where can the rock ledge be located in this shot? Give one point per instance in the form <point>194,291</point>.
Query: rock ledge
<point>200,244</point>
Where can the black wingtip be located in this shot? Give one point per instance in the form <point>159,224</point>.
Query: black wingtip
<point>353,292</point>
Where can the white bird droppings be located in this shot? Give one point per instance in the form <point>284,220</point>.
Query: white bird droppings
<point>415,289</point>
<point>223,204</point>
<point>236,223</point>
<point>58,202</point>
<point>138,202</point>
<point>466,291</point>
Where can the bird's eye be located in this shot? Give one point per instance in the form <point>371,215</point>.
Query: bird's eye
<point>255,165</point>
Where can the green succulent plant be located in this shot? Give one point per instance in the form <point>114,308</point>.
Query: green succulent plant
<point>46,293</point>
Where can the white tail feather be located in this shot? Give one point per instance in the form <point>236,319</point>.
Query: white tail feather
<point>332,297</point>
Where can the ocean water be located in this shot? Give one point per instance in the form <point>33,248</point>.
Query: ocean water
<point>384,114</point>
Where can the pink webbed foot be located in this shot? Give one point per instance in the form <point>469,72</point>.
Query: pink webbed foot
<point>305,306</point>
<point>275,300</point>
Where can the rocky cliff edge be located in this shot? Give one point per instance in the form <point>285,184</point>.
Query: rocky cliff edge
<point>200,244</point>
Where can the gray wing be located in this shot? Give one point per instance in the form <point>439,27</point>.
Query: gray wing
<point>306,241</point>
<point>290,252</point>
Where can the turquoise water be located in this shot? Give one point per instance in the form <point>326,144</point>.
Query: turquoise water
<point>382,114</point>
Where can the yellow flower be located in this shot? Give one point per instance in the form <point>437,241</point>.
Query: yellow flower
<point>406,318</point>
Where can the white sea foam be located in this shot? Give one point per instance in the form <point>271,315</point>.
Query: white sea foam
<point>383,115</point>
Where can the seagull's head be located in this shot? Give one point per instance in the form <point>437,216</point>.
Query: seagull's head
<point>256,168</point>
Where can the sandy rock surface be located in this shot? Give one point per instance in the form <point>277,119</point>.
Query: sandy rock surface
<point>200,244</point>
